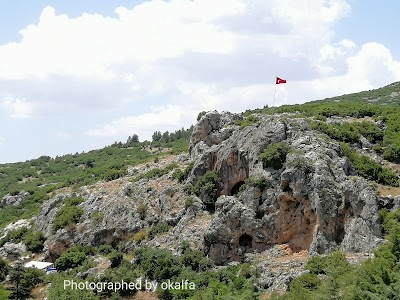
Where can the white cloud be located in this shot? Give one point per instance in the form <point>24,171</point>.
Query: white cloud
<point>2,140</point>
<point>371,67</point>
<point>18,107</point>
<point>160,118</point>
<point>180,57</point>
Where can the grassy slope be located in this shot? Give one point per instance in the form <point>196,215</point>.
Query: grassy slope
<point>42,176</point>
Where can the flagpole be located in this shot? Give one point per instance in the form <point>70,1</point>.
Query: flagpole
<point>273,104</point>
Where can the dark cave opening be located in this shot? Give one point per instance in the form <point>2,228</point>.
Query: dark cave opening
<point>236,188</point>
<point>245,240</point>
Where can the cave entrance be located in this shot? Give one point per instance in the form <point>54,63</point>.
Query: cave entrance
<point>235,189</point>
<point>245,240</point>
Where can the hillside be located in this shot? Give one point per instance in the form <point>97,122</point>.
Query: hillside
<point>300,198</point>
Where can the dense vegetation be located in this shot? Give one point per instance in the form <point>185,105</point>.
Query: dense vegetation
<point>161,265</point>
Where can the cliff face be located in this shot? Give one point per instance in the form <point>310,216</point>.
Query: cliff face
<point>313,203</point>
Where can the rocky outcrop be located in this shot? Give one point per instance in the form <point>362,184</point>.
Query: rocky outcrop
<point>313,203</point>
<point>14,200</point>
<point>12,251</point>
<point>112,212</point>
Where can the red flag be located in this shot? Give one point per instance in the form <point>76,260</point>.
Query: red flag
<point>280,80</point>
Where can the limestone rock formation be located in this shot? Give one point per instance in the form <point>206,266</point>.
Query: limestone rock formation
<point>313,203</point>
<point>14,200</point>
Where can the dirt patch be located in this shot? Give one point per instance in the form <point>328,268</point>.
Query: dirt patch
<point>40,292</point>
<point>145,296</point>
<point>385,191</point>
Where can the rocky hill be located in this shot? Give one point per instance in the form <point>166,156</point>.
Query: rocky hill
<point>268,187</point>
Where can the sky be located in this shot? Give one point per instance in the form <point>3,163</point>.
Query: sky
<point>79,75</point>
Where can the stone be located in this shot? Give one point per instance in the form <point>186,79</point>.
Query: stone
<point>14,200</point>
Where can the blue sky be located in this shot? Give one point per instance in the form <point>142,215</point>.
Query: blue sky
<point>79,75</point>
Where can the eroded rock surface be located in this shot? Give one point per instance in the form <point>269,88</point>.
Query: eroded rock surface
<point>313,203</point>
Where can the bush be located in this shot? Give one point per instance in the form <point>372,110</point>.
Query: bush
<point>260,182</point>
<point>275,155</point>
<point>115,258</point>
<point>14,236</point>
<point>368,168</point>
<point>140,235</point>
<point>3,269</point>
<point>158,229</point>
<point>70,259</point>
<point>200,115</point>
<point>346,132</point>
<point>141,210</point>
<point>156,172</point>
<point>247,121</point>
<point>207,188</point>
<point>178,175</point>
<point>188,202</point>
<point>34,241</point>
<point>67,215</point>
<point>73,201</point>
<point>182,175</point>
<point>307,281</point>
<point>104,249</point>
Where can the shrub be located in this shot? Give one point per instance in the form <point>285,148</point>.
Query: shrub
<point>159,229</point>
<point>316,265</point>
<point>207,188</point>
<point>141,210</point>
<point>260,182</point>
<point>14,236</point>
<point>3,269</point>
<point>307,281</point>
<point>104,249</point>
<point>97,217</point>
<point>70,259</point>
<point>34,241</point>
<point>182,175</point>
<point>368,168</point>
<point>73,201</point>
<point>156,172</point>
<point>346,132</point>
<point>67,215</point>
<point>275,155</point>
<point>200,115</point>
<point>140,235</point>
<point>188,202</point>
<point>178,175</point>
<point>115,258</point>
<point>247,121</point>
<point>298,161</point>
